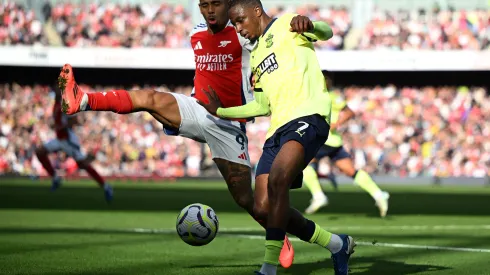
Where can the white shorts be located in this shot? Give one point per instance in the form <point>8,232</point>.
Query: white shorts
<point>225,138</point>
<point>70,146</point>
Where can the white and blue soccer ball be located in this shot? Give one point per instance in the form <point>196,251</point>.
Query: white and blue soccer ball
<point>197,224</point>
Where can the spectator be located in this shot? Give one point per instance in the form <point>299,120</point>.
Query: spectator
<point>403,131</point>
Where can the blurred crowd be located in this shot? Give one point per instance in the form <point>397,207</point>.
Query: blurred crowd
<point>19,26</point>
<point>427,30</point>
<point>111,25</point>
<point>403,132</point>
<point>147,25</point>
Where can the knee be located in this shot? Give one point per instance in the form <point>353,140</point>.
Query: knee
<point>82,164</point>
<point>278,181</point>
<point>41,151</point>
<point>245,201</point>
<point>349,171</point>
<point>261,211</point>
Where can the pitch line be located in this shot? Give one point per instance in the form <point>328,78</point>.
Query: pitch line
<point>229,233</point>
<point>394,245</point>
<point>371,228</point>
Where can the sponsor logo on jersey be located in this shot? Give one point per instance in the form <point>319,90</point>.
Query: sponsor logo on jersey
<point>212,62</point>
<point>268,65</point>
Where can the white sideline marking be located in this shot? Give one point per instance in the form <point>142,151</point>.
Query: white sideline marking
<point>395,245</point>
<point>226,232</point>
<point>363,228</point>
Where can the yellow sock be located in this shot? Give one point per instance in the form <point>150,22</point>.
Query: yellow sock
<point>310,179</point>
<point>272,251</point>
<point>366,182</point>
<point>321,236</point>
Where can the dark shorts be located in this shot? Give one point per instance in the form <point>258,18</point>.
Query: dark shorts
<point>310,131</point>
<point>333,153</point>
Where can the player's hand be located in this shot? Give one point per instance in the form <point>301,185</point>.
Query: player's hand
<point>301,24</point>
<point>252,83</point>
<point>334,126</point>
<point>213,100</point>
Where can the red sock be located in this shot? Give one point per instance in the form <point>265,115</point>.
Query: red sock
<point>91,171</point>
<point>117,101</point>
<point>43,158</point>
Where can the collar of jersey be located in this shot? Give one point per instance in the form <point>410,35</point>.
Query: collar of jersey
<point>268,26</point>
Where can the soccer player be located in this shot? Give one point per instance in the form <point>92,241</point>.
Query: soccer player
<point>334,149</point>
<point>289,86</point>
<point>68,142</point>
<point>222,60</point>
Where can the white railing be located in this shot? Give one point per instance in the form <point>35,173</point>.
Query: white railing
<point>157,58</point>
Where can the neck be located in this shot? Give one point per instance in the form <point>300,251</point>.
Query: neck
<point>215,28</point>
<point>264,22</point>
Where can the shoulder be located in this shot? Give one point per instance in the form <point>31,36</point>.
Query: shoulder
<point>201,27</point>
<point>286,18</point>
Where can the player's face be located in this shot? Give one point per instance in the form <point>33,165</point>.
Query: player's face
<point>246,21</point>
<point>214,12</point>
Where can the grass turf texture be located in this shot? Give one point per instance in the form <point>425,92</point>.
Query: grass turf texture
<point>73,230</point>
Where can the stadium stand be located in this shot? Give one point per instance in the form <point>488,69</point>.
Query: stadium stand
<point>400,131</point>
<point>416,138</point>
<point>166,25</point>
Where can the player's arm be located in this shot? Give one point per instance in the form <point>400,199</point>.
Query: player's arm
<point>255,108</point>
<point>314,30</point>
<point>345,114</point>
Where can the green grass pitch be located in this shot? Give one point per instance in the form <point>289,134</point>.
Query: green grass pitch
<point>430,230</point>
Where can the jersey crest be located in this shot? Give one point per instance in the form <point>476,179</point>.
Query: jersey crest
<point>268,40</point>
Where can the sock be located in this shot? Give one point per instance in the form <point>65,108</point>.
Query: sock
<point>333,179</point>
<point>326,239</point>
<point>310,179</point>
<point>335,244</point>
<point>365,181</point>
<point>46,163</point>
<point>117,101</point>
<point>274,240</point>
<point>268,269</point>
<point>91,171</point>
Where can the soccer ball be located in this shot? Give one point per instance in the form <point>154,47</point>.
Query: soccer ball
<point>197,224</point>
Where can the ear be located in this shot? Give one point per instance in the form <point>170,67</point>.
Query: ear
<point>258,11</point>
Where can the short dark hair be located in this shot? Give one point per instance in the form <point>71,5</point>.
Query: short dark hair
<point>233,3</point>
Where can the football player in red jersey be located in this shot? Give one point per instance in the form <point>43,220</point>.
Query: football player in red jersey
<point>222,60</point>
<point>68,142</point>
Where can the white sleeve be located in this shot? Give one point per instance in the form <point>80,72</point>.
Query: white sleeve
<point>245,43</point>
<point>198,28</point>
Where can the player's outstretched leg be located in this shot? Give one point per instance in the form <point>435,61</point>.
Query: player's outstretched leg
<point>108,191</point>
<point>365,181</point>
<point>285,168</point>
<point>238,179</point>
<point>319,199</point>
<point>162,106</point>
<point>42,155</point>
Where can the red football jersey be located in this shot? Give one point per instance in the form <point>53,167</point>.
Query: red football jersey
<point>222,62</point>
<point>60,121</point>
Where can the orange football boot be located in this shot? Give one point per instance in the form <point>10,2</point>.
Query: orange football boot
<point>71,93</point>
<point>287,254</point>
